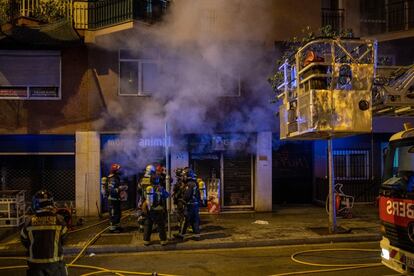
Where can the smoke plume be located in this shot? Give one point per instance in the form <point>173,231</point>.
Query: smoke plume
<point>214,59</point>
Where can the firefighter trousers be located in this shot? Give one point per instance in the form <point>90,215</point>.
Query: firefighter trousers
<point>157,217</point>
<point>50,269</point>
<point>191,217</point>
<point>115,214</point>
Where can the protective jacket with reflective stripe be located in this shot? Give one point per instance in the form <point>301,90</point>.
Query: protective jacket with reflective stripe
<point>43,236</point>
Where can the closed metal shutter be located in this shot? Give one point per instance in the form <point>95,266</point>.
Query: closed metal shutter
<point>30,74</point>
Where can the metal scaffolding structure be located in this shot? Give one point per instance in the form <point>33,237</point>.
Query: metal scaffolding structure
<point>333,88</point>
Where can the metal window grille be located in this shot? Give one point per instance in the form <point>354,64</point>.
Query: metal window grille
<point>351,164</point>
<point>32,173</point>
<point>400,15</point>
<point>333,18</point>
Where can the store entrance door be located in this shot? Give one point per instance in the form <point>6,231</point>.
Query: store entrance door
<point>292,172</point>
<point>237,180</point>
<point>207,167</point>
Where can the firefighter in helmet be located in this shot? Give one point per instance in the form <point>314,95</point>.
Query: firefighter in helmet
<point>114,198</point>
<point>142,185</point>
<point>191,198</point>
<point>154,211</point>
<point>43,234</point>
<point>161,174</point>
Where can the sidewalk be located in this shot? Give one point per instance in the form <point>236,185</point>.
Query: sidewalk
<point>286,225</point>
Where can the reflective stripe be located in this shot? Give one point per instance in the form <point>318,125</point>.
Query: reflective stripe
<point>43,227</point>
<point>56,244</point>
<point>64,230</point>
<point>55,258</point>
<point>31,244</point>
<point>23,234</point>
<point>45,261</point>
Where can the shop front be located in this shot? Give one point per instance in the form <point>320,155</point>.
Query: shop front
<point>34,162</point>
<point>225,162</point>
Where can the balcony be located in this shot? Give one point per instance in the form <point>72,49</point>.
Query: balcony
<point>94,15</point>
<point>393,21</point>
<point>89,17</point>
<point>333,18</point>
<point>400,15</point>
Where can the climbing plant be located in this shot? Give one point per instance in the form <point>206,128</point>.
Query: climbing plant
<point>50,10</point>
<point>290,48</point>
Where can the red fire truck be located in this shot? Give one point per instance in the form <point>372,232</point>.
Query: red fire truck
<point>396,203</point>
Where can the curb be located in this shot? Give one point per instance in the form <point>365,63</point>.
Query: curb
<point>73,250</point>
<point>222,245</point>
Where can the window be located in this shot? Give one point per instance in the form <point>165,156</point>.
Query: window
<point>386,60</point>
<point>138,73</point>
<point>228,86</point>
<point>208,21</point>
<point>351,164</point>
<point>30,75</point>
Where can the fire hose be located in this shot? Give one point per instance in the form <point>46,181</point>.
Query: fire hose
<point>337,267</point>
<point>98,269</point>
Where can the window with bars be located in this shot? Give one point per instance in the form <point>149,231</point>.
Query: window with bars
<point>351,164</point>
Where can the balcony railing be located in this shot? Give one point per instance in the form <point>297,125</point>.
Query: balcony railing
<point>333,18</point>
<point>84,14</point>
<point>94,15</point>
<point>400,15</point>
<point>150,10</point>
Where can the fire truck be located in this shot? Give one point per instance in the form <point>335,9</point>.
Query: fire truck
<point>396,203</point>
<point>394,95</point>
<point>332,88</point>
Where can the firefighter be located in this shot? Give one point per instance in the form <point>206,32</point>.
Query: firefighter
<point>178,196</point>
<point>43,235</point>
<point>114,198</point>
<point>191,198</point>
<point>143,183</point>
<point>154,212</point>
<point>161,174</point>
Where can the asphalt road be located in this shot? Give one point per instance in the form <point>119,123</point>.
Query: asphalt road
<point>243,261</point>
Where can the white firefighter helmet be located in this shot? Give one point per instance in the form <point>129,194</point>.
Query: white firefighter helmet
<point>149,170</point>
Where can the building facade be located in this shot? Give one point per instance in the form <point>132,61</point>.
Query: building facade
<point>80,92</point>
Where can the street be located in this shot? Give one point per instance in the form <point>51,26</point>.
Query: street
<point>242,261</point>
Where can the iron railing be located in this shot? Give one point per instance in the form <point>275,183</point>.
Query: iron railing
<point>87,14</point>
<point>150,10</point>
<point>361,190</point>
<point>352,164</point>
<point>400,15</point>
<point>333,18</point>
<point>93,15</point>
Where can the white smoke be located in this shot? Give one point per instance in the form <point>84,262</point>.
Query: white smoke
<point>206,47</point>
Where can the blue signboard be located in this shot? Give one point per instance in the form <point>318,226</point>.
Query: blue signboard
<point>37,143</point>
